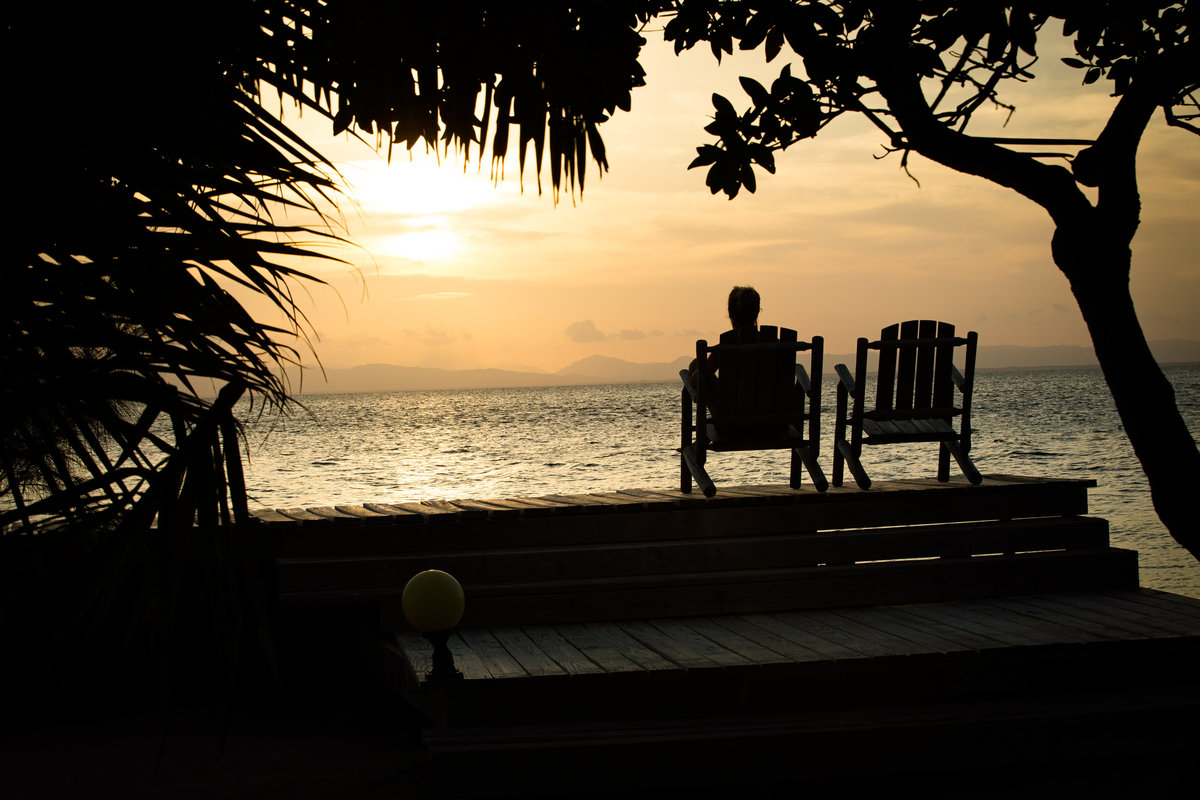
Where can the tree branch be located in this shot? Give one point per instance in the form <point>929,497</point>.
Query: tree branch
<point>898,80</point>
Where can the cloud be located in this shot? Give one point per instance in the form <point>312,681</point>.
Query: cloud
<point>584,331</point>
<point>443,295</point>
<point>628,334</point>
<point>436,337</point>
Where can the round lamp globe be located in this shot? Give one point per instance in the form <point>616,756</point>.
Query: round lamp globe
<point>433,601</point>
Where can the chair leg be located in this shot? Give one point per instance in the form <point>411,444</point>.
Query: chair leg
<point>964,463</point>
<point>853,463</point>
<point>697,471</point>
<point>839,437</point>
<point>838,466</point>
<point>943,473</point>
<point>805,456</point>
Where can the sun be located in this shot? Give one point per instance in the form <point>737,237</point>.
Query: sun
<point>427,244</point>
<point>421,187</point>
<point>417,210</point>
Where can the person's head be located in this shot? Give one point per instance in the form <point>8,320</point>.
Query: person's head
<point>743,307</point>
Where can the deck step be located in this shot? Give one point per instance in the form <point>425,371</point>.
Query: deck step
<point>750,664</point>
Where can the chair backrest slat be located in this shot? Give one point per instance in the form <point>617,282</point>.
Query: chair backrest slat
<point>943,380</point>
<point>756,377</point>
<point>916,362</point>
<point>906,365</point>
<point>923,382</point>
<point>766,396</point>
<point>783,371</point>
<point>885,381</point>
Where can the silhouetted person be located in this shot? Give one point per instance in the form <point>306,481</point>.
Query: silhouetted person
<point>744,304</point>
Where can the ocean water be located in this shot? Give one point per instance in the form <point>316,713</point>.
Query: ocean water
<point>351,449</point>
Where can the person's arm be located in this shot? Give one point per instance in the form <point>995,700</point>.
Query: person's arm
<point>711,363</point>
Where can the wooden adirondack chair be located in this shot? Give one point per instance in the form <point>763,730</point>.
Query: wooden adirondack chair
<point>914,398</point>
<point>760,399</point>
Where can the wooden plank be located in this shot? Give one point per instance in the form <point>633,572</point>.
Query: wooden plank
<point>734,641</point>
<point>467,509</point>
<point>599,649</point>
<point>526,652</point>
<point>300,515</point>
<point>580,562</point>
<point>539,507</point>
<point>831,649</point>
<point>952,628</point>
<point>673,496</point>
<point>755,590</point>
<point>364,515</point>
<point>652,502</point>
<point>497,660</point>
<point>748,628</point>
<point>752,497</point>
<point>467,660</point>
<point>693,639</point>
<point>951,540</point>
<point>1176,604</point>
<point>417,652</point>
<point>885,378</point>
<point>1015,627</point>
<point>430,513</point>
<point>758,590</point>
<point>395,514</point>
<point>880,620</point>
<point>681,653</point>
<point>336,516</point>
<point>923,385</point>
<point>270,516</point>
<point>1110,615</point>
<point>1079,625</point>
<point>850,632</point>
<point>756,509</point>
<point>943,373</point>
<point>647,660</point>
<point>564,653</point>
<point>623,502</point>
<point>580,502</point>
<point>906,365</point>
<point>493,509</point>
<point>781,491</point>
<point>1174,618</point>
<point>681,500</point>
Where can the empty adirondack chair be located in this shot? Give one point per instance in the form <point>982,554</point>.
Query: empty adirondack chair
<point>760,399</point>
<point>914,398</point>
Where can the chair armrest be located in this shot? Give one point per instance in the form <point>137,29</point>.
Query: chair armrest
<point>803,379</point>
<point>844,376</point>
<point>687,383</point>
<point>959,380</point>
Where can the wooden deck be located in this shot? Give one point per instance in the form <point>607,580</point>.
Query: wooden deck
<point>652,638</point>
<point>1030,684</point>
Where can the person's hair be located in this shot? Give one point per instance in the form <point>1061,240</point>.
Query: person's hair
<point>743,306</point>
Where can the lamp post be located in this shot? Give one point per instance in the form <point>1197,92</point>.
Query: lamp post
<point>433,603</point>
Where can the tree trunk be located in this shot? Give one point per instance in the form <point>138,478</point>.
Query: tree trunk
<point>1098,271</point>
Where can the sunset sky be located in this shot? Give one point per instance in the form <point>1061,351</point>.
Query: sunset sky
<point>455,272</point>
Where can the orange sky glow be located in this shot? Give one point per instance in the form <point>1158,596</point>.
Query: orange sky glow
<point>455,271</point>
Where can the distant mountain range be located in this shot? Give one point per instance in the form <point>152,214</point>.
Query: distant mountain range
<point>603,369</point>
